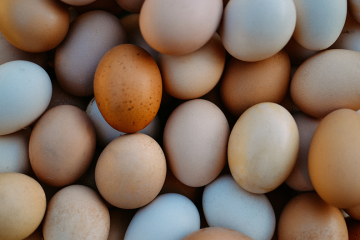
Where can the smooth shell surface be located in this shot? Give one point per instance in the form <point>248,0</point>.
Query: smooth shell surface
<point>263,147</point>
<point>227,205</point>
<point>34,25</point>
<point>333,159</point>
<point>62,145</point>
<point>170,216</point>
<point>195,139</point>
<point>76,212</point>
<point>307,216</point>
<point>253,30</point>
<point>326,82</point>
<point>25,93</point>
<point>128,88</point>
<point>131,171</point>
<point>216,233</point>
<point>22,207</point>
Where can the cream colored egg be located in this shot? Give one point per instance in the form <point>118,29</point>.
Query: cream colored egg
<point>319,23</point>
<point>195,74</point>
<point>263,147</point>
<point>252,30</point>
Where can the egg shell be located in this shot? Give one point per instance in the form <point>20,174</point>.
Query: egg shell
<point>299,178</point>
<point>90,36</point>
<point>76,212</point>
<point>354,9</point>
<point>119,222</point>
<point>354,212</point>
<point>128,88</point>
<point>326,82</point>
<point>131,171</point>
<point>105,133</point>
<point>34,25</point>
<point>263,147</point>
<point>170,27</point>
<point>170,216</point>
<point>333,158</point>
<point>297,53</point>
<point>307,216</point>
<point>62,145</point>
<point>256,30</point>
<point>319,23</point>
<point>25,93</point>
<point>195,74</point>
<point>245,84</point>
<point>195,139</point>
<point>14,149</point>
<point>133,6</point>
<point>22,207</point>
<point>216,233</point>
<point>227,205</point>
<point>131,25</point>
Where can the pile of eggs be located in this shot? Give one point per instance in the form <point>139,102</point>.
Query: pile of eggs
<point>159,119</point>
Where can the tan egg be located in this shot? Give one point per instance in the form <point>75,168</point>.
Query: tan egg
<point>326,82</point>
<point>76,212</point>
<point>133,6</point>
<point>299,178</point>
<point>297,53</point>
<point>245,84</point>
<point>78,2</point>
<point>90,36</point>
<point>11,53</point>
<point>354,212</point>
<point>131,171</point>
<point>195,74</point>
<point>132,29</point>
<point>22,207</point>
<point>62,145</point>
<point>195,139</point>
<point>169,27</point>
<point>263,147</point>
<point>333,158</point>
<point>34,25</point>
<point>128,88</point>
<point>253,30</point>
<point>119,221</point>
<point>307,216</point>
<point>216,233</point>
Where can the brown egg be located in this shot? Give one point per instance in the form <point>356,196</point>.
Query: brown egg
<point>22,207</point>
<point>216,233</point>
<point>62,145</point>
<point>133,6</point>
<point>307,216</point>
<point>245,84</point>
<point>34,25</point>
<point>131,171</point>
<point>119,221</point>
<point>90,36</point>
<point>354,212</point>
<point>170,26</point>
<point>76,212</point>
<point>128,88</point>
<point>326,82</point>
<point>333,159</point>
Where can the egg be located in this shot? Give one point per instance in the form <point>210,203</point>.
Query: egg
<point>245,84</point>
<point>133,6</point>
<point>354,212</point>
<point>319,23</point>
<point>25,93</point>
<point>62,145</point>
<point>195,74</point>
<point>76,212</point>
<point>216,233</point>
<point>333,158</point>
<point>354,9</point>
<point>195,138</point>
<point>263,147</point>
<point>256,30</point>
<point>128,88</point>
<point>22,207</point>
<point>226,204</point>
<point>39,25</point>
<point>90,36</point>
<point>130,171</point>
<point>169,27</point>
<point>326,82</point>
<point>170,216</point>
<point>307,216</point>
